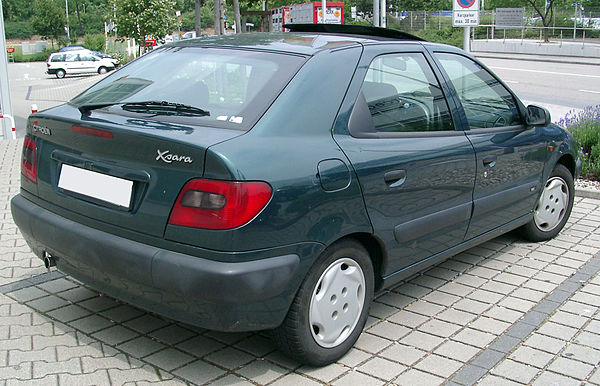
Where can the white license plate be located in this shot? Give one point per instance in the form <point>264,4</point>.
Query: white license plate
<point>103,187</point>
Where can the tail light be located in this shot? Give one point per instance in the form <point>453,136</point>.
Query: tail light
<point>28,162</point>
<point>212,204</point>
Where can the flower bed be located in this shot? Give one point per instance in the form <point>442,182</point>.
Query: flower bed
<point>585,127</point>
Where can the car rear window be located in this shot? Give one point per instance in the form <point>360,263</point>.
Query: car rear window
<point>235,86</point>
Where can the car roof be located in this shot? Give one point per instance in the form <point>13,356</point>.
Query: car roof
<point>78,51</point>
<point>71,48</point>
<point>309,39</point>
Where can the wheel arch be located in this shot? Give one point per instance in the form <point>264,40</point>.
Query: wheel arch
<point>568,161</point>
<point>376,252</point>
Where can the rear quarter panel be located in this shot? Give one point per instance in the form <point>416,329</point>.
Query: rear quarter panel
<point>284,149</point>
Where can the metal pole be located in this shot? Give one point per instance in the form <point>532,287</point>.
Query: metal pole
<point>575,23</point>
<point>12,124</point>
<point>383,13</point>
<point>5,105</point>
<point>376,13</point>
<point>324,8</point>
<point>493,23</point>
<point>67,14</point>
<point>466,37</point>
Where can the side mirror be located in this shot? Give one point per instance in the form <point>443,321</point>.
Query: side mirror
<point>537,116</point>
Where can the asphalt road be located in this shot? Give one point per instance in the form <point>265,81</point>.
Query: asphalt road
<point>560,87</point>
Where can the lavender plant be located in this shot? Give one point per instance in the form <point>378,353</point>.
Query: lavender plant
<point>585,127</point>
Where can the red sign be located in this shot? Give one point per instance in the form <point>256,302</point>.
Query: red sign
<point>10,50</point>
<point>466,3</point>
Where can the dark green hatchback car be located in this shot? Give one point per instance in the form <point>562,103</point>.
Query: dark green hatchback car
<point>277,181</point>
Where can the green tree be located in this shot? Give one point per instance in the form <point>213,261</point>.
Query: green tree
<point>138,19</point>
<point>17,10</point>
<point>49,20</point>
<point>544,8</point>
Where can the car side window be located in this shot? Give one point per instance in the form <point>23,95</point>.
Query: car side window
<point>486,102</point>
<point>403,95</point>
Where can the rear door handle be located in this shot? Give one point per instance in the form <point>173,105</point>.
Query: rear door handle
<point>489,161</point>
<point>395,178</point>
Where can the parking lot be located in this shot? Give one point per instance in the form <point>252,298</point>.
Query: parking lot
<point>506,312</point>
<point>29,84</point>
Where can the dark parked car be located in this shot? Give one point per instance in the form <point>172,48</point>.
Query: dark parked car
<point>277,181</point>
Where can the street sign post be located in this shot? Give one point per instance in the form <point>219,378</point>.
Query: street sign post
<point>465,14</point>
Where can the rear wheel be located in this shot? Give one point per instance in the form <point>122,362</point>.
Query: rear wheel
<point>553,207</point>
<point>102,70</point>
<point>331,307</point>
<point>60,73</point>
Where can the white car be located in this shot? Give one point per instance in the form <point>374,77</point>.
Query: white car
<point>189,35</point>
<point>78,62</point>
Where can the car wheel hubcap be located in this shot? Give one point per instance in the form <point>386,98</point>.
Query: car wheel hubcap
<point>337,302</point>
<point>552,205</point>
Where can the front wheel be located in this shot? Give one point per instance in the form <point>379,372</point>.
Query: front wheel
<point>102,70</point>
<point>553,208</point>
<point>331,306</point>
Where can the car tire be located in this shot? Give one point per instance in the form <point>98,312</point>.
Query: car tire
<point>60,73</point>
<point>331,307</point>
<point>102,70</point>
<point>553,207</point>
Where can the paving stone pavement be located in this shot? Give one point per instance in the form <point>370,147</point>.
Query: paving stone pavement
<point>506,312</point>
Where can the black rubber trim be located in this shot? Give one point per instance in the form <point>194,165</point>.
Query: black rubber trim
<point>500,199</point>
<point>420,227</point>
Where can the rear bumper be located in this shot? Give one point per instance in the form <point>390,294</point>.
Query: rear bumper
<point>51,71</point>
<point>225,296</point>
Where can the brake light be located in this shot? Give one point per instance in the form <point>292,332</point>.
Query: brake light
<point>94,132</point>
<point>212,204</point>
<point>28,161</point>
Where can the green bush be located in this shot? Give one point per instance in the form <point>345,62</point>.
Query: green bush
<point>39,57</point>
<point>62,41</point>
<point>121,56</point>
<point>18,29</point>
<point>94,42</point>
<point>585,127</point>
<point>450,35</point>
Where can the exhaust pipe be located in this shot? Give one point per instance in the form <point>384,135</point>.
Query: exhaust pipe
<point>49,261</point>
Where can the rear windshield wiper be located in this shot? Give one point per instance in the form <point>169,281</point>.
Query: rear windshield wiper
<point>156,107</point>
<point>164,108</point>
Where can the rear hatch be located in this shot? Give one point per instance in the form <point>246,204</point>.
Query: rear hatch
<point>117,169</point>
<point>121,151</point>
